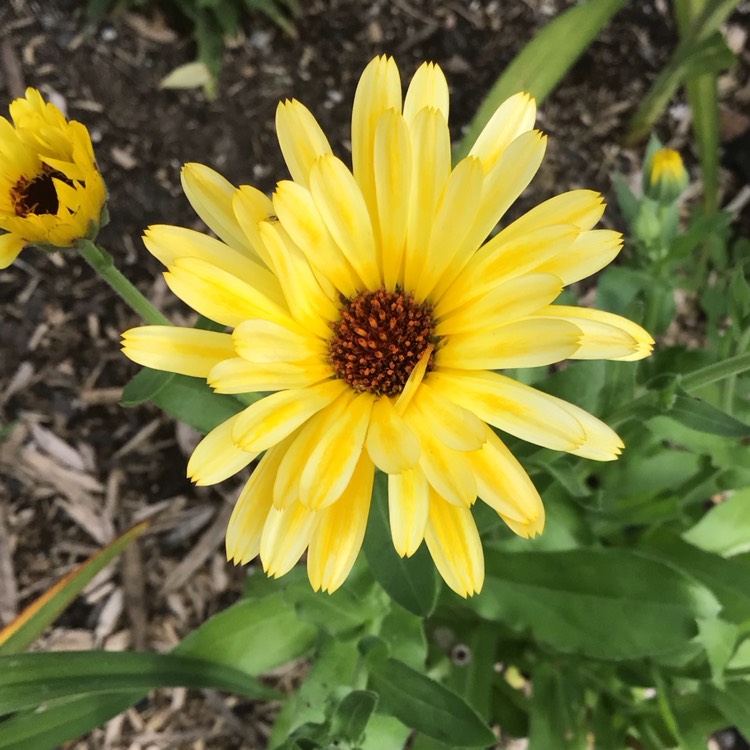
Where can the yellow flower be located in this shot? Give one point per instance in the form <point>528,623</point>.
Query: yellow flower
<point>51,192</point>
<point>372,305</point>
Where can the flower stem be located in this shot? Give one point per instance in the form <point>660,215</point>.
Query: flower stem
<point>101,261</point>
<point>729,386</point>
<point>718,371</point>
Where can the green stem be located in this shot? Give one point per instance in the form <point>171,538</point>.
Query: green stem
<point>717,371</point>
<point>694,381</point>
<point>728,395</point>
<point>101,261</point>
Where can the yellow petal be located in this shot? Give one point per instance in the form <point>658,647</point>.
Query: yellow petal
<point>251,510</point>
<point>428,88</point>
<point>210,195</point>
<point>605,335</point>
<point>508,301</point>
<point>524,343</point>
<point>10,246</point>
<point>408,508</point>
<point>378,90</point>
<point>516,115</point>
<point>342,206</point>
<point>250,207</point>
<point>582,208</point>
<point>237,375</point>
<point>499,261</point>
<point>338,536</point>
<point>600,443</point>
<point>590,252</point>
<point>431,166</point>
<point>308,303</point>
<point>331,462</point>
<point>504,485</point>
<point>301,139</point>
<point>504,181</point>
<point>447,470</point>
<point>513,407</point>
<point>266,341</point>
<point>391,443</point>
<point>271,419</point>
<point>168,243</point>
<point>217,457</point>
<point>298,214</point>
<point>392,176</point>
<point>187,351</point>
<point>456,212</point>
<point>455,546</point>
<point>221,296</point>
<point>454,426</point>
<point>285,537</point>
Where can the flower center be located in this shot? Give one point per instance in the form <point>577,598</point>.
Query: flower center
<point>379,339</point>
<point>37,195</point>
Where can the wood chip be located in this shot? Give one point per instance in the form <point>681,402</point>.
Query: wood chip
<point>8,588</point>
<point>57,448</point>
<point>204,548</point>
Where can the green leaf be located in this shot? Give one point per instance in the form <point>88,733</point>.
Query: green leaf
<point>29,625</point>
<point>404,634</point>
<point>725,529</point>
<point>718,638</point>
<point>30,680</point>
<point>48,729</point>
<point>385,732</point>
<point>187,399</point>
<point>544,61</point>
<point>144,386</point>
<point>253,636</point>
<point>734,704</point>
<point>626,198</point>
<point>605,603</point>
<point>427,706</point>
<point>409,581</point>
<point>344,611</point>
<point>552,721</point>
<point>352,715</point>
<point>729,580</point>
<point>473,678</point>
<point>334,666</point>
<point>701,50</point>
<point>705,417</point>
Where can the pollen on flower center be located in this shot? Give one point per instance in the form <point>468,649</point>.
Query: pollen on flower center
<point>37,195</point>
<point>379,339</point>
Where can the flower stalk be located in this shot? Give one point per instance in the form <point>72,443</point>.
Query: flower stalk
<point>101,261</point>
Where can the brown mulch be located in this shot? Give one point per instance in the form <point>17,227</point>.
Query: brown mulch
<point>76,468</point>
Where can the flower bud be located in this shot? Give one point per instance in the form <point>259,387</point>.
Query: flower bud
<point>667,176</point>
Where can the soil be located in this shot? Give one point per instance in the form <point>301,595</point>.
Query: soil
<point>75,466</point>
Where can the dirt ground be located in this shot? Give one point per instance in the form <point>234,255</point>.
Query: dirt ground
<point>76,468</point>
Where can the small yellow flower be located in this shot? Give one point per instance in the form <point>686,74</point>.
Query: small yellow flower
<point>51,192</point>
<point>374,306</point>
<point>667,176</point>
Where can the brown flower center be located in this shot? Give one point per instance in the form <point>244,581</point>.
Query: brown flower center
<point>379,339</point>
<point>37,195</point>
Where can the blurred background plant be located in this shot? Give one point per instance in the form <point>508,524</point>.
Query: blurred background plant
<point>210,22</point>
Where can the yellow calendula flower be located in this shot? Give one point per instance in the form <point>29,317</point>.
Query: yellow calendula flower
<point>51,192</point>
<point>373,306</point>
